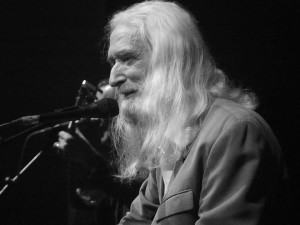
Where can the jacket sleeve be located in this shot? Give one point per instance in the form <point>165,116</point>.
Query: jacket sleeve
<point>240,175</point>
<point>144,207</point>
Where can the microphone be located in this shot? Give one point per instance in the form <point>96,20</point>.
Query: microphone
<point>104,108</point>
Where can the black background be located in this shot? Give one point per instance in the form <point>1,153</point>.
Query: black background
<point>49,47</point>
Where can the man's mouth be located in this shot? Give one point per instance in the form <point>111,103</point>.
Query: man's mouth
<point>128,93</point>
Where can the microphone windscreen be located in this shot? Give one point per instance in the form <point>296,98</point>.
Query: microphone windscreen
<point>107,107</point>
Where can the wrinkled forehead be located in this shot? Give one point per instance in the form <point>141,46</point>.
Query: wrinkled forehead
<point>124,36</point>
<point>122,31</point>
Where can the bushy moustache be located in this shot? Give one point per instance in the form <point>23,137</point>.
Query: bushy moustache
<point>127,87</point>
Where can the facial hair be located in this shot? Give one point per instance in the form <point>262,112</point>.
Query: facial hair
<point>130,105</point>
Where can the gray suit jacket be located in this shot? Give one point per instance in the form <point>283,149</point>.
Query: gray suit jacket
<point>232,174</point>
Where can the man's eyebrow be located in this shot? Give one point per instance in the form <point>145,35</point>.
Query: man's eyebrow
<point>121,53</point>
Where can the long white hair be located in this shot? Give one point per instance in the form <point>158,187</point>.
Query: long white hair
<point>181,83</point>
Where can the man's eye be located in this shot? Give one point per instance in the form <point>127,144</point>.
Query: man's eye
<point>127,58</point>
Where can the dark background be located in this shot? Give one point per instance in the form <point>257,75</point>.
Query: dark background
<point>49,47</point>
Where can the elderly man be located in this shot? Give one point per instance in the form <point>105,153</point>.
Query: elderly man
<point>210,159</point>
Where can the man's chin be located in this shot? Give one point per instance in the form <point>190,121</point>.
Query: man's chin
<point>124,105</point>
<point>128,110</point>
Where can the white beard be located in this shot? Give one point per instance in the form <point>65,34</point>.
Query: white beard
<point>129,109</point>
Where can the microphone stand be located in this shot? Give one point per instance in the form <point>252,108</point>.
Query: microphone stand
<point>48,131</point>
<point>9,181</point>
<point>86,90</point>
<point>24,132</point>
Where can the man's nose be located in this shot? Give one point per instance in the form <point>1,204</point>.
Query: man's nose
<point>117,76</point>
